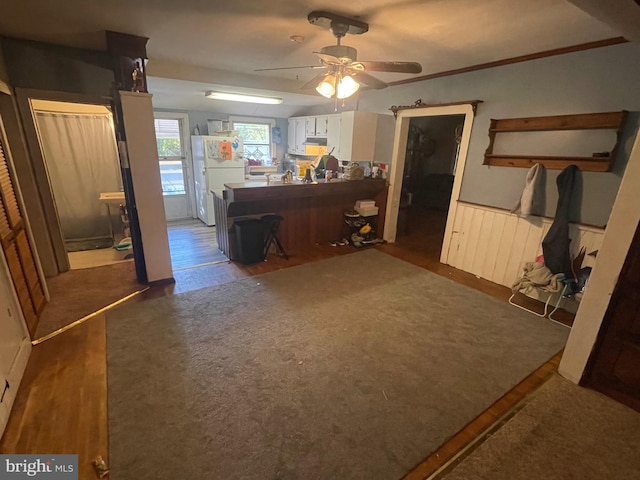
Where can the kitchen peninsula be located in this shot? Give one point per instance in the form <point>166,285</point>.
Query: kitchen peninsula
<point>313,212</point>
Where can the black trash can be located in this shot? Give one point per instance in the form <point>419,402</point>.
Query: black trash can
<point>249,240</point>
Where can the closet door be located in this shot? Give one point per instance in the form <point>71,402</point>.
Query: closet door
<point>17,250</point>
<point>613,366</point>
<point>15,346</point>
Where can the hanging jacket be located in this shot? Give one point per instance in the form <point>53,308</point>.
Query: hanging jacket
<point>555,246</point>
<point>532,199</point>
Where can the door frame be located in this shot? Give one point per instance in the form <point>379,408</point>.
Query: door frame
<point>187,163</point>
<point>27,227</point>
<point>23,100</point>
<point>398,160</point>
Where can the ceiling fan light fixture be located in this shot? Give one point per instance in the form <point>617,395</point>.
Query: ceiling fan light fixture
<point>326,87</point>
<point>238,97</point>
<point>347,86</point>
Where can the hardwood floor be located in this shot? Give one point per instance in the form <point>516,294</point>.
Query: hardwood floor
<point>193,244</point>
<point>61,406</point>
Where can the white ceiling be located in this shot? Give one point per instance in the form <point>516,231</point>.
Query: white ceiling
<point>195,45</point>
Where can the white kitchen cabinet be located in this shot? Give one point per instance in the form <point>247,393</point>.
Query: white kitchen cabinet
<point>310,126</point>
<point>357,136</point>
<point>322,126</point>
<point>301,136</point>
<point>366,137</point>
<point>291,136</point>
<point>297,135</point>
<point>316,127</point>
<point>385,133</point>
<point>352,136</point>
<point>334,123</point>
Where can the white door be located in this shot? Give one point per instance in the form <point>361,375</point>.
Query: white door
<point>14,348</point>
<point>199,178</point>
<point>200,188</point>
<point>175,168</point>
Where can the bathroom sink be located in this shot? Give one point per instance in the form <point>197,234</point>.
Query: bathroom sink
<point>112,198</point>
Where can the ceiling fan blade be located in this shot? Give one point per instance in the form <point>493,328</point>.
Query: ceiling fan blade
<point>310,67</point>
<point>313,83</point>
<point>367,79</point>
<point>330,59</point>
<point>399,67</point>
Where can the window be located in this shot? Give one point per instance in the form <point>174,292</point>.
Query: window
<point>256,138</point>
<point>171,153</point>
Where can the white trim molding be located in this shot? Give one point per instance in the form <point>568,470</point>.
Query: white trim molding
<point>397,167</point>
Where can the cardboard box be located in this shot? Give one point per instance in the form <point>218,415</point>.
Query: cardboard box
<point>365,203</point>
<point>367,212</point>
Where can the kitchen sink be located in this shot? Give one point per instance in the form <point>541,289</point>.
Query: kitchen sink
<point>113,199</point>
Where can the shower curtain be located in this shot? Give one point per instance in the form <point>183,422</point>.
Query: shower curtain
<point>82,161</point>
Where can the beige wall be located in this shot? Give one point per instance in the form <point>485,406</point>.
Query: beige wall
<point>145,173</point>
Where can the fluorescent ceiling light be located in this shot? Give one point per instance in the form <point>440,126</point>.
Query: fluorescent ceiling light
<point>237,97</point>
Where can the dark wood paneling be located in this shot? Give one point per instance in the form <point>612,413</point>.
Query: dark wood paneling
<point>313,213</point>
<point>614,366</point>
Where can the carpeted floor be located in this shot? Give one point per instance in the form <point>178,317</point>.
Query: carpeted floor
<point>357,366</point>
<point>77,293</point>
<point>565,432</point>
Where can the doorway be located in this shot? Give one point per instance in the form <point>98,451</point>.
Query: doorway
<point>77,173</point>
<point>433,146</point>
<point>176,172</point>
<point>429,155</point>
<point>80,156</point>
<point>191,242</point>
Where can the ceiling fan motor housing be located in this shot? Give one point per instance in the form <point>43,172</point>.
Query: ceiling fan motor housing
<point>345,53</point>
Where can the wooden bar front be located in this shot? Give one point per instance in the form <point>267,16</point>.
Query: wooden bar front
<point>313,213</point>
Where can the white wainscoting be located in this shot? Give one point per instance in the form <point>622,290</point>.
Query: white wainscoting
<point>495,244</point>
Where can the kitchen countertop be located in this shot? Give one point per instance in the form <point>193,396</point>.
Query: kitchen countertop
<point>257,183</point>
<point>257,191</point>
<point>313,213</point>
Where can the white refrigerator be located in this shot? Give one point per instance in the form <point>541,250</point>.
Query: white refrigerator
<point>216,161</point>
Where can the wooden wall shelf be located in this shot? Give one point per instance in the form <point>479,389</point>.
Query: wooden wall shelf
<point>588,121</point>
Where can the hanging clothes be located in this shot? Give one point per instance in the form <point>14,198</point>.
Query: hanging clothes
<point>555,246</point>
<point>532,199</point>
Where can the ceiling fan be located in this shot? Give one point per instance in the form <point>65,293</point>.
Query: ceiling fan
<point>342,72</point>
